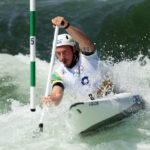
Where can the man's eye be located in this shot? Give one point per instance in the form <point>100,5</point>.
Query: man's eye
<point>65,52</point>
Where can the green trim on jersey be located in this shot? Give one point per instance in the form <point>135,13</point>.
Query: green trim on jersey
<point>56,78</point>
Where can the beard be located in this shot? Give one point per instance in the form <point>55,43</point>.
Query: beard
<point>65,61</point>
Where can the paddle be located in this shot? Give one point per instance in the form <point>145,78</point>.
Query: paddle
<point>47,91</point>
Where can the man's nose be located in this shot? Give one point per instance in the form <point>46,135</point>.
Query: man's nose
<point>62,56</point>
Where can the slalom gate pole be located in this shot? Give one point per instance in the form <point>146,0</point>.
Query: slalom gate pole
<point>32,55</point>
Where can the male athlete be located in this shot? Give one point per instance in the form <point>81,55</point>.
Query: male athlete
<point>80,72</point>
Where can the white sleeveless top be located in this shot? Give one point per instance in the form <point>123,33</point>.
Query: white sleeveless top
<point>84,78</point>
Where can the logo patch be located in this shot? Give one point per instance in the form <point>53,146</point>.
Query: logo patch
<point>85,80</point>
<point>59,41</point>
<point>78,71</point>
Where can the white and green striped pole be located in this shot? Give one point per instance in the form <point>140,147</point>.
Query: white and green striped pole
<point>32,55</point>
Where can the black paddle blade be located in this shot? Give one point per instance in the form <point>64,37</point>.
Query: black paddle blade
<point>41,127</point>
<point>38,131</point>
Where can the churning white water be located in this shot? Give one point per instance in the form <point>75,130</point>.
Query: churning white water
<point>17,123</point>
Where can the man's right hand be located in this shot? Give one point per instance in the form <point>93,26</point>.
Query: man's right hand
<point>59,21</point>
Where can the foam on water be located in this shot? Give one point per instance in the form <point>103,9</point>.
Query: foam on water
<point>133,76</point>
<point>17,123</point>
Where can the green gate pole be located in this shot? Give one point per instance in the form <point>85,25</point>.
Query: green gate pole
<point>32,55</point>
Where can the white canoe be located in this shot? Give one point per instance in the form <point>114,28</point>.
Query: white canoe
<point>89,115</point>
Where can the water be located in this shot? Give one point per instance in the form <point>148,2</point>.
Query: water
<point>120,29</point>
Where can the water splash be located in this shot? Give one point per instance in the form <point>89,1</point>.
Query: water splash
<point>18,123</point>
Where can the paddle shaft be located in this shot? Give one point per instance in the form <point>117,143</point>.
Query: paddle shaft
<point>47,91</point>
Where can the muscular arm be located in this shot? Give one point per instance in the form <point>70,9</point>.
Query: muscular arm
<point>55,96</point>
<point>81,39</point>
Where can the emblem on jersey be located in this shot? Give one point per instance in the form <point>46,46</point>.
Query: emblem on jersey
<point>85,80</point>
<point>78,71</point>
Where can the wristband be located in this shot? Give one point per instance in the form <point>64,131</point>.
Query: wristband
<point>67,26</point>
